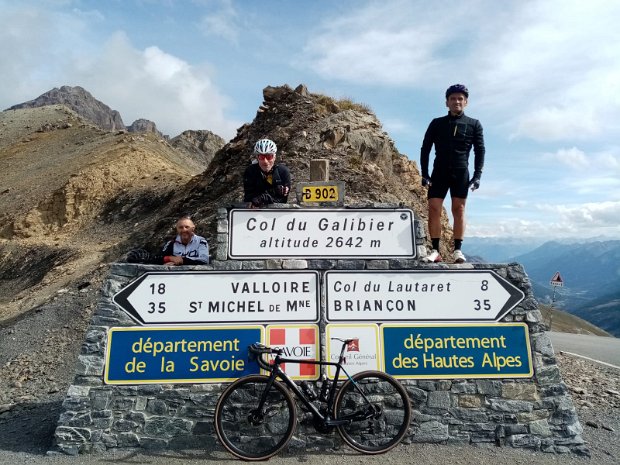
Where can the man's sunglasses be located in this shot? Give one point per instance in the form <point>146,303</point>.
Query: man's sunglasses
<point>266,156</point>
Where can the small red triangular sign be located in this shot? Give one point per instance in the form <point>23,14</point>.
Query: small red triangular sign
<point>557,280</point>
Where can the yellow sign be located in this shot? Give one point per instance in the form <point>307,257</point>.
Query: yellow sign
<point>328,193</point>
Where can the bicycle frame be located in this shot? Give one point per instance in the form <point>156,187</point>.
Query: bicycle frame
<point>276,372</point>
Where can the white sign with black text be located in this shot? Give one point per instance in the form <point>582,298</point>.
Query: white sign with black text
<point>447,295</point>
<point>207,297</point>
<point>321,233</point>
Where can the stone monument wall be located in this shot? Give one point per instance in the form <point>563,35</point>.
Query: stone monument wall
<point>535,413</point>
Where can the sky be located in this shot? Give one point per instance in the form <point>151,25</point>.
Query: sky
<point>543,79</point>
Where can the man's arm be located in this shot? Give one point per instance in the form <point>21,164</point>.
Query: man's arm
<point>279,193</point>
<point>474,182</point>
<point>166,252</point>
<point>425,150</point>
<point>479,149</point>
<point>249,185</point>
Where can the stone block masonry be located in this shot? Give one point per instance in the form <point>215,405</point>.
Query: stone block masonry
<point>536,413</point>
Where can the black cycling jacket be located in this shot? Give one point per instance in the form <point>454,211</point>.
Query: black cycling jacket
<point>453,137</point>
<point>255,184</point>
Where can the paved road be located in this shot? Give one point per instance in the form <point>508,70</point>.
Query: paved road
<point>605,349</point>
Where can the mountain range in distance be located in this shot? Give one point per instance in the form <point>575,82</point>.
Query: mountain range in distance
<point>590,269</point>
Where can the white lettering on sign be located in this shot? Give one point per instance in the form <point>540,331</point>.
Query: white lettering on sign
<point>222,297</point>
<point>321,233</point>
<point>450,295</point>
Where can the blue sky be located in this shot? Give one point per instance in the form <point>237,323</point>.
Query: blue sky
<point>543,79</point>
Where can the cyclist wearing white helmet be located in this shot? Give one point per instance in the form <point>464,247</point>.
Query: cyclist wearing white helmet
<point>453,136</point>
<point>266,182</point>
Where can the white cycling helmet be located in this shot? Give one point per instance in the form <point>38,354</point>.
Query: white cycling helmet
<point>265,146</point>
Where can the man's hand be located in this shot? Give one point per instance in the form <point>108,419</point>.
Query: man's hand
<point>174,260</point>
<point>283,190</point>
<point>262,200</point>
<point>475,182</point>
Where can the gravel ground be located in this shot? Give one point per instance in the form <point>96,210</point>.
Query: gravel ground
<point>38,354</point>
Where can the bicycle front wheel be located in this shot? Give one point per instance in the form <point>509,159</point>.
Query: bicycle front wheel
<point>246,431</point>
<point>379,418</point>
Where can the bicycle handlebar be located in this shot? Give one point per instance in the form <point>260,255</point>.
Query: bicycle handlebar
<point>257,350</point>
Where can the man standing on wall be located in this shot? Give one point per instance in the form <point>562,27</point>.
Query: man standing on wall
<point>453,136</point>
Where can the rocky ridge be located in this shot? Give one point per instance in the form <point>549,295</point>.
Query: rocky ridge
<point>64,203</point>
<point>200,145</point>
<point>82,102</point>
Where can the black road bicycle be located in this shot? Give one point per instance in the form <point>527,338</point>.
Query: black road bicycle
<point>256,415</point>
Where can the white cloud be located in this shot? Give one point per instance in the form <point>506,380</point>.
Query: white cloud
<point>35,45</point>
<point>572,157</point>
<point>554,123</point>
<point>91,15</point>
<point>516,205</point>
<point>389,43</point>
<point>155,85</point>
<point>551,65</point>
<point>591,215</point>
<point>515,228</point>
<point>148,83</point>
<point>609,160</point>
<point>551,220</point>
<point>221,20</point>
<point>542,67</point>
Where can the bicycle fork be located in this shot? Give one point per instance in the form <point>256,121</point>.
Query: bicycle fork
<point>257,415</point>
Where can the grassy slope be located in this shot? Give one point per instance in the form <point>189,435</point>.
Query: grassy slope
<point>566,323</point>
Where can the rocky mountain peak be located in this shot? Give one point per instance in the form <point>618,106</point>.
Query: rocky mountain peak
<point>201,145</point>
<point>82,102</point>
<point>308,126</point>
<point>144,125</point>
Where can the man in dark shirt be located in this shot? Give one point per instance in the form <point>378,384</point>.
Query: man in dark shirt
<point>453,136</point>
<point>265,182</point>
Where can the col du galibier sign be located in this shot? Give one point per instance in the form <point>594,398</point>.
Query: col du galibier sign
<point>321,233</point>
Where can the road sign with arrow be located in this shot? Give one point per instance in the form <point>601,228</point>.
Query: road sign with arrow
<point>209,297</point>
<point>447,295</point>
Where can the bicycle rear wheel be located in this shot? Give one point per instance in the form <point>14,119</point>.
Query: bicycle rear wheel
<point>387,426</point>
<point>248,433</point>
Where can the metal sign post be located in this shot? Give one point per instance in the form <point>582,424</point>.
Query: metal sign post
<point>556,281</point>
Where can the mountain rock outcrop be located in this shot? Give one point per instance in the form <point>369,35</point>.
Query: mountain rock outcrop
<point>144,125</point>
<point>200,145</point>
<point>82,102</point>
